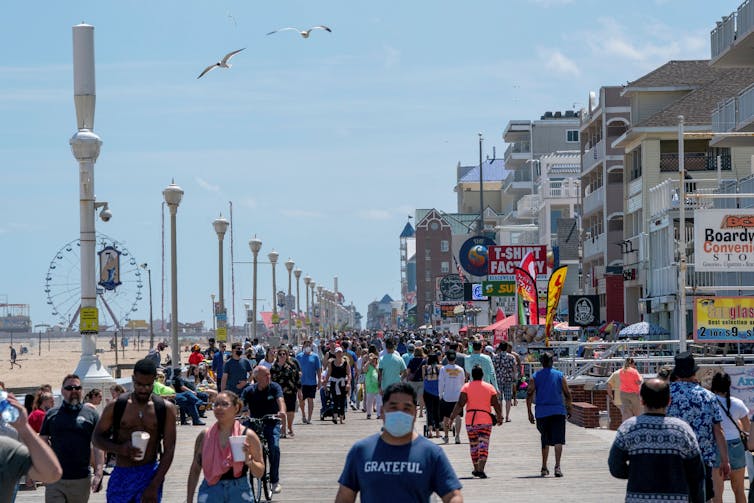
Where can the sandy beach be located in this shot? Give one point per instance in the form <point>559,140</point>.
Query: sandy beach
<point>58,356</point>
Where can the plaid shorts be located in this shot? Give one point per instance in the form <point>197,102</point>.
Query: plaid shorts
<point>506,389</point>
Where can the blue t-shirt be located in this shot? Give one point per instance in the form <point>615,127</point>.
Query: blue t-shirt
<point>382,472</point>
<point>310,364</point>
<point>218,362</point>
<point>237,370</point>
<point>548,393</point>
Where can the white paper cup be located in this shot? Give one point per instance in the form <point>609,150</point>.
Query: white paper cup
<point>236,447</point>
<point>140,439</point>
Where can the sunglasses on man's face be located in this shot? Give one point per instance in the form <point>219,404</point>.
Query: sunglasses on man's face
<point>72,388</point>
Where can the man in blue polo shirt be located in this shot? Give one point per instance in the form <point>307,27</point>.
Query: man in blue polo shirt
<point>311,376</point>
<point>398,464</point>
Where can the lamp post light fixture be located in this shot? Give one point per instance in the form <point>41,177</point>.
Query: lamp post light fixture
<point>307,280</point>
<point>151,319</point>
<point>289,266</point>
<point>273,256</point>
<point>255,245</point>
<point>297,274</point>
<point>173,195</point>
<point>220,225</point>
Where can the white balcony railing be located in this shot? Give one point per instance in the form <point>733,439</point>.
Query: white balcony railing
<point>568,188</point>
<point>595,245</point>
<point>634,187</point>
<point>744,18</point>
<point>745,106</point>
<point>595,200</point>
<point>593,155</point>
<point>724,116</point>
<point>723,35</point>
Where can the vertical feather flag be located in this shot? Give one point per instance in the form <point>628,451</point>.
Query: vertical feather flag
<point>554,290</point>
<point>528,265</point>
<point>526,291</point>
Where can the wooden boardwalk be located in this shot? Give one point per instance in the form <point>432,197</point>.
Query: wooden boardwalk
<point>313,460</point>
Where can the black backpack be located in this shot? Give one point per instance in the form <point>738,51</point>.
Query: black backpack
<point>120,407</point>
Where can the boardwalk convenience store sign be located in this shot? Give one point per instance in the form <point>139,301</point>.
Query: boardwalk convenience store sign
<point>724,240</point>
<point>724,319</point>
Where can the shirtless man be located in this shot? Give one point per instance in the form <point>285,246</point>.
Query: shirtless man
<point>141,480</point>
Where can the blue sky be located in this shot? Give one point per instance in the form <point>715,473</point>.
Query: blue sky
<point>324,145</point>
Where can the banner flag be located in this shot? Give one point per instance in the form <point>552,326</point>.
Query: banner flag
<point>554,290</point>
<point>526,291</point>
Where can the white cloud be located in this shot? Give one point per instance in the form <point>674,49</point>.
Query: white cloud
<point>248,202</point>
<point>206,185</point>
<point>392,56</point>
<point>558,62</point>
<point>301,214</point>
<point>374,214</point>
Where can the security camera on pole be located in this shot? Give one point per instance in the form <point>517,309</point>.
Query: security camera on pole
<point>85,146</point>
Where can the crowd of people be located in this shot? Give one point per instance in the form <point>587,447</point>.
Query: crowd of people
<point>677,440</point>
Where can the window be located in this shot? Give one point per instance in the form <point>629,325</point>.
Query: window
<point>635,157</point>
<point>427,275</point>
<point>444,246</point>
<point>444,267</point>
<point>572,136</point>
<point>427,254</point>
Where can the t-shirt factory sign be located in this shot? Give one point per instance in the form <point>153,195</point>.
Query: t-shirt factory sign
<point>724,240</point>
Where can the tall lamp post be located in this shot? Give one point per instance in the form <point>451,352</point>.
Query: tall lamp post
<point>273,256</point>
<point>85,146</point>
<point>313,286</point>
<point>221,225</point>
<point>297,274</point>
<point>289,266</point>
<point>173,195</point>
<point>151,319</point>
<point>255,245</point>
<point>321,311</point>
<point>307,280</point>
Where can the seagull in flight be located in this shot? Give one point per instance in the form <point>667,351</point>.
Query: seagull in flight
<point>305,33</point>
<point>223,63</point>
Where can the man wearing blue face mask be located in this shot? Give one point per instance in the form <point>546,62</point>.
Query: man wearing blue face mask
<point>398,464</point>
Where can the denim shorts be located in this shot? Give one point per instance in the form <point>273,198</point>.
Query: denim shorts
<point>736,455</point>
<point>226,491</point>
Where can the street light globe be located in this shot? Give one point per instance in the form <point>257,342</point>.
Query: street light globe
<point>221,225</point>
<point>289,264</point>
<point>173,194</point>
<point>313,285</point>
<point>297,273</point>
<point>273,256</point>
<point>307,280</point>
<point>255,244</point>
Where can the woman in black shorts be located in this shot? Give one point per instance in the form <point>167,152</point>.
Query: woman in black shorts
<point>288,376</point>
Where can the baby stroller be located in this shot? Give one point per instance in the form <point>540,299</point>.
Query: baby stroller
<point>327,408</point>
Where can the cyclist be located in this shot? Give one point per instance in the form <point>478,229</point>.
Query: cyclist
<point>225,480</point>
<point>264,398</point>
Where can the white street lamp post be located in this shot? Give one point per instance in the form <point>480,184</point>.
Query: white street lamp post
<point>255,245</point>
<point>321,310</point>
<point>313,286</point>
<point>151,318</point>
<point>173,195</point>
<point>307,280</point>
<point>85,145</point>
<point>289,266</point>
<point>297,274</point>
<point>221,225</point>
<point>682,266</point>
<point>273,256</point>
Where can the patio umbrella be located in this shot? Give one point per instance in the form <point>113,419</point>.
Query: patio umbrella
<point>643,329</point>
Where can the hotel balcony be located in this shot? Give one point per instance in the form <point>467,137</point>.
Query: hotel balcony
<point>518,182</point>
<point>608,198</point>
<point>593,157</point>
<point>517,154</point>
<point>734,114</point>
<point>595,245</point>
<point>665,196</point>
<point>559,189</point>
<point>664,280</point>
<point>732,38</point>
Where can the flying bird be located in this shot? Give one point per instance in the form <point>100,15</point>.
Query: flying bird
<point>223,63</point>
<point>305,33</point>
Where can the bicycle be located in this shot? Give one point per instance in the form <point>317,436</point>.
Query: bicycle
<point>261,484</point>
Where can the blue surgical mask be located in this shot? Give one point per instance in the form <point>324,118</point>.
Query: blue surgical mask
<point>399,423</point>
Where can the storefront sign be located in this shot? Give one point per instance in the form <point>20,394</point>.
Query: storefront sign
<point>724,319</point>
<point>503,259</point>
<point>499,288</point>
<point>724,240</point>
<point>474,255</point>
<point>584,310</point>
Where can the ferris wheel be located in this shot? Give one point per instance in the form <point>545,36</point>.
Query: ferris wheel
<point>117,301</point>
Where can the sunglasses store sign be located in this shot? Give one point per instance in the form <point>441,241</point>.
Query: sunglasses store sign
<point>724,319</point>
<point>724,240</point>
